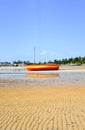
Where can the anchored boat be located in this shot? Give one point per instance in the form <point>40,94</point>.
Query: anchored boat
<point>42,67</point>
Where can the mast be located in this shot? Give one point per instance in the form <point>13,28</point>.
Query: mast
<point>34,55</point>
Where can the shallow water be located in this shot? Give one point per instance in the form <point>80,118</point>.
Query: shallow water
<point>43,79</point>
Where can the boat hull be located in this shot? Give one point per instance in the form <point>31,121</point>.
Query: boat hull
<point>42,67</point>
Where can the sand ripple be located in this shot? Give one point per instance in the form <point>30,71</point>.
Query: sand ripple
<point>42,108</point>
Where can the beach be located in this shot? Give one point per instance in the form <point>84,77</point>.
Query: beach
<point>49,106</point>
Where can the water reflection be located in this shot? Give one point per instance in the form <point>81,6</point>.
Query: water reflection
<point>42,75</point>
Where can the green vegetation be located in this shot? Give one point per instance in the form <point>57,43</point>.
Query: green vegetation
<point>77,60</point>
<point>21,62</point>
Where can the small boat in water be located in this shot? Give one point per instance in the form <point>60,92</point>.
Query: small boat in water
<point>42,67</point>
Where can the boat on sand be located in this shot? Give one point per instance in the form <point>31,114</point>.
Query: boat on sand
<point>42,67</point>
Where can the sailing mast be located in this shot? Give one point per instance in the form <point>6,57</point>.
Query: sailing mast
<point>34,55</point>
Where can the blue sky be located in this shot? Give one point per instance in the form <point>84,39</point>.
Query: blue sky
<point>56,28</point>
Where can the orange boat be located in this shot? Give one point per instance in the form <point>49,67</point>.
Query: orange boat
<point>42,67</point>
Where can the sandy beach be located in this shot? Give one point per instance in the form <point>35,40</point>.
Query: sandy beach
<point>58,107</point>
<point>42,108</point>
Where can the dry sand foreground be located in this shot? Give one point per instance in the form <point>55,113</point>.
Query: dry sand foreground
<point>42,108</point>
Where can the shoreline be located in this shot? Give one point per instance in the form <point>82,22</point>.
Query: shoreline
<point>63,68</point>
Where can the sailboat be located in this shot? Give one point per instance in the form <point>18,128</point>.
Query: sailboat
<point>41,67</point>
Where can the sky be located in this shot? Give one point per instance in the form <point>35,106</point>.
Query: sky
<point>55,28</point>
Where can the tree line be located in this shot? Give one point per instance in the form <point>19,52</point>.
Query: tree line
<point>77,60</point>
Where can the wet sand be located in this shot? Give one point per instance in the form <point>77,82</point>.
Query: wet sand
<point>42,108</point>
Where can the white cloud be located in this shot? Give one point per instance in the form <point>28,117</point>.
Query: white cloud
<point>43,53</point>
